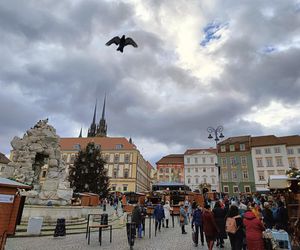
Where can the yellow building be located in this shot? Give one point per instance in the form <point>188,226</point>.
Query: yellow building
<point>127,168</point>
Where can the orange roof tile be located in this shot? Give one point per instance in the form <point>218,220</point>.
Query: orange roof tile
<point>195,150</point>
<point>266,140</point>
<point>4,159</point>
<point>235,139</point>
<point>172,159</point>
<point>106,143</point>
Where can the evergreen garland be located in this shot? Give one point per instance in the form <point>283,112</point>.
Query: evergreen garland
<point>88,173</point>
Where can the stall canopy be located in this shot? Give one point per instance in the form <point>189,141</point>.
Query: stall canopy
<point>278,182</point>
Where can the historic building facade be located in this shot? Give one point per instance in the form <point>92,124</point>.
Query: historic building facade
<point>170,168</point>
<point>236,170</point>
<point>272,155</point>
<point>126,167</point>
<point>200,169</point>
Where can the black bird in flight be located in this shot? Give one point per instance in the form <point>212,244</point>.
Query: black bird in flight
<point>122,42</point>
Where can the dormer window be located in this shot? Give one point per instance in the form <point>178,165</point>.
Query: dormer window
<point>76,146</point>
<point>119,146</point>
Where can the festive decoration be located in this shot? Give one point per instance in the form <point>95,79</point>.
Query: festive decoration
<point>88,173</point>
<point>293,173</point>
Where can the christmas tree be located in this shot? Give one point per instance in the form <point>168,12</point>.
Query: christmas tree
<point>88,173</point>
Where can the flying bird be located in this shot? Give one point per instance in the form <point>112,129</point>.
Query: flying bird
<point>122,42</point>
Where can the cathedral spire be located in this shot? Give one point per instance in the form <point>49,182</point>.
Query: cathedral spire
<point>92,130</point>
<point>102,127</point>
<point>103,110</point>
<point>80,134</point>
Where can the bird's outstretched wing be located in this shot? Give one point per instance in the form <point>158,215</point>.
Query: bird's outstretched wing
<point>116,40</point>
<point>129,41</point>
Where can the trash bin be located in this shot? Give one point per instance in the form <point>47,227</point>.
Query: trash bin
<point>35,225</point>
<point>60,229</point>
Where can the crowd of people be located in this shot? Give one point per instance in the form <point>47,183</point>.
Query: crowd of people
<point>241,220</point>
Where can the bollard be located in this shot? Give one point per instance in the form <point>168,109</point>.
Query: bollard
<point>60,229</point>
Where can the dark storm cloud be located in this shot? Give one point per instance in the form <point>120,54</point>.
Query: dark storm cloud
<point>56,65</point>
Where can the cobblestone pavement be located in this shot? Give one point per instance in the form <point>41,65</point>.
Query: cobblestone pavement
<point>168,238</point>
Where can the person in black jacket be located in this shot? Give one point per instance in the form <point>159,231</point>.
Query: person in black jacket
<point>219,215</point>
<point>282,217</point>
<point>137,219</point>
<point>268,216</point>
<point>236,239</point>
<point>198,223</point>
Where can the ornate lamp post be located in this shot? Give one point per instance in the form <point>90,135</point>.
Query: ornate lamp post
<point>217,135</point>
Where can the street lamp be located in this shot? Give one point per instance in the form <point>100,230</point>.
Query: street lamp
<point>217,132</point>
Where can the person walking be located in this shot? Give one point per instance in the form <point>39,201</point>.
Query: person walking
<point>268,216</point>
<point>209,227</point>
<point>254,229</point>
<point>158,216</point>
<point>219,215</point>
<point>183,218</point>
<point>167,209</point>
<point>137,219</point>
<point>282,217</point>
<point>197,225</point>
<point>235,228</point>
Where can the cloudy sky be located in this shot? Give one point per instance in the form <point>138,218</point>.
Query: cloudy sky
<point>198,64</point>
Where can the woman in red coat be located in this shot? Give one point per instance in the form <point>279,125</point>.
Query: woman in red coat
<point>254,229</point>
<point>209,227</point>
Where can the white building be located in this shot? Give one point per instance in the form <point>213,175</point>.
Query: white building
<point>273,155</point>
<point>200,168</point>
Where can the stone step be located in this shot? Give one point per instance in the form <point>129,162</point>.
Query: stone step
<point>74,221</point>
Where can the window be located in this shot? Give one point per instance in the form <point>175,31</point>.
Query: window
<point>114,188</point>
<point>258,151</point>
<point>119,146</point>
<point>167,178</point>
<point>277,150</point>
<point>245,175</point>
<point>126,159</point>
<point>196,160</point>
<point>76,146</point>
<point>172,170</point>
<point>167,170</point>
<point>117,158</point>
<point>279,161</point>
<point>224,162</point>
<point>269,162</point>
<point>225,189</point>
<point>161,170</point>
<point>223,148</point>
<point>247,189</point>
<point>125,187</point>
<point>197,180</point>
<point>189,180</point>
<point>204,180</point>
<point>231,148</point>
<point>204,170</point>
<point>235,189</point>
<point>126,173</point>
<point>242,147</point>
<point>244,160</point>
<point>267,151</point>
<point>106,158</point>
<point>224,175</point>
<point>259,162</point>
<point>234,175</point>
<point>188,170</point>
<point>232,161</point>
<point>213,180</point>
<point>261,175</point>
<point>212,160</point>
<point>115,174</point>
<point>292,162</point>
<point>203,159</point>
<point>298,150</point>
<point>212,170</point>
<point>290,151</point>
<point>196,170</point>
<point>188,160</point>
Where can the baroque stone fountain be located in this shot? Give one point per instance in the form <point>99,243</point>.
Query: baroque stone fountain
<point>36,161</point>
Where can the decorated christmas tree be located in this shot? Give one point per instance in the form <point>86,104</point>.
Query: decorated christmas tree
<point>88,173</point>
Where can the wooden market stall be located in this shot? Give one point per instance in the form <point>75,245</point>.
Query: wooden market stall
<point>11,207</point>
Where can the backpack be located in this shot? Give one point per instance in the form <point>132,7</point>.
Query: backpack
<point>231,226</point>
